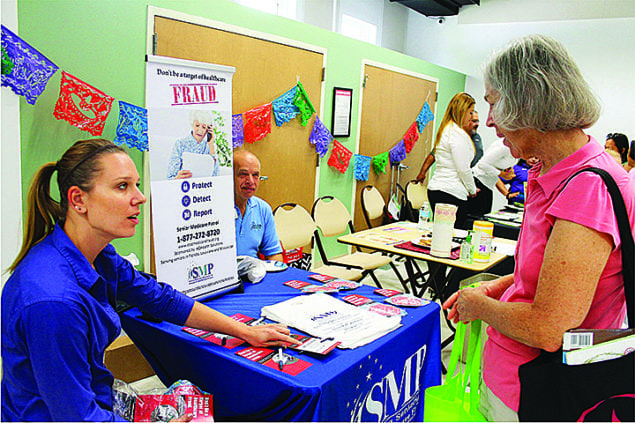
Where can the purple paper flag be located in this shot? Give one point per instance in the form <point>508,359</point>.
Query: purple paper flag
<point>133,126</point>
<point>283,108</point>
<point>238,135</point>
<point>31,69</point>
<point>320,136</point>
<point>398,152</point>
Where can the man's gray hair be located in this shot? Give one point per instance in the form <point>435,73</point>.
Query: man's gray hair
<point>540,87</point>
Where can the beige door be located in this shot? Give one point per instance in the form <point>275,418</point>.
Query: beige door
<point>264,71</point>
<point>391,103</point>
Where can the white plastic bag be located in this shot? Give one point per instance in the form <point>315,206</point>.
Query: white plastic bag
<point>251,269</point>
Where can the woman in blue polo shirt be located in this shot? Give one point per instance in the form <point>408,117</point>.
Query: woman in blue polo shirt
<point>58,312</point>
<point>517,183</point>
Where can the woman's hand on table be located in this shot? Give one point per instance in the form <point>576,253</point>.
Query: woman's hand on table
<point>270,335</point>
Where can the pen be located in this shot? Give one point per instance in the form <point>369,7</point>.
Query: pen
<point>330,338</point>
<point>280,358</point>
<point>257,322</point>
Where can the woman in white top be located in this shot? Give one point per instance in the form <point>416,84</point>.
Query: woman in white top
<point>497,159</point>
<point>452,181</point>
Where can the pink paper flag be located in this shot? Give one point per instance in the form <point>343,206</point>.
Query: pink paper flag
<point>411,137</point>
<point>257,123</point>
<point>82,105</point>
<point>340,157</point>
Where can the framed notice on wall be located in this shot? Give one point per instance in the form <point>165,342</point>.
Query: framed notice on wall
<point>342,105</point>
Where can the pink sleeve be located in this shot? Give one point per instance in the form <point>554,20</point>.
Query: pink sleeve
<point>586,201</point>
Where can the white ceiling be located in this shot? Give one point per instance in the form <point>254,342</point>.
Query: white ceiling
<point>506,11</point>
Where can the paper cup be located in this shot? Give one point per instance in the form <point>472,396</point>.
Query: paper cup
<point>443,230</point>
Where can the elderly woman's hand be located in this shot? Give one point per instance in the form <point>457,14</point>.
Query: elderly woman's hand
<point>462,302</point>
<point>467,303</point>
<point>183,174</point>
<point>459,303</point>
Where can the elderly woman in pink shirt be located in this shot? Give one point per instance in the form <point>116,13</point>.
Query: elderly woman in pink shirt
<point>568,260</point>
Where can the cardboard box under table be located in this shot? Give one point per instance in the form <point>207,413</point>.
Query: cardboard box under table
<point>125,361</point>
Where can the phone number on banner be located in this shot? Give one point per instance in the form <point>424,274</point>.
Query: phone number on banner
<point>198,235</point>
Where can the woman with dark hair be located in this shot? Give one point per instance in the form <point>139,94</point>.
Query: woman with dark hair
<point>452,181</point>
<point>58,306</point>
<point>618,142</point>
<point>568,270</point>
<point>516,191</point>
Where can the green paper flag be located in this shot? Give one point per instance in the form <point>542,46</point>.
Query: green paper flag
<point>7,64</point>
<point>379,162</point>
<point>302,102</point>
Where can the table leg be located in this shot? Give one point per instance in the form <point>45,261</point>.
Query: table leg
<point>418,288</point>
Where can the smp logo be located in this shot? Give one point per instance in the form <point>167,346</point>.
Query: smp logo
<point>395,397</point>
<point>198,273</point>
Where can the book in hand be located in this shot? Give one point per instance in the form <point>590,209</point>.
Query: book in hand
<point>583,346</point>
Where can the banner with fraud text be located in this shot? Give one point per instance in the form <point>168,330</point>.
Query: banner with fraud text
<point>192,190</point>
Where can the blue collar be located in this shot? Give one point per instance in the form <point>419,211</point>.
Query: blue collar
<point>82,269</point>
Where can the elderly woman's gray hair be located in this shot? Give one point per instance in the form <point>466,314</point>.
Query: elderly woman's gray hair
<point>201,116</point>
<point>540,87</point>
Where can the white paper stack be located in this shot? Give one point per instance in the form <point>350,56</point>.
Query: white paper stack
<point>323,316</point>
<point>504,248</point>
<point>200,165</point>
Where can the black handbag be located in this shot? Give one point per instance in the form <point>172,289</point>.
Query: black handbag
<point>601,391</point>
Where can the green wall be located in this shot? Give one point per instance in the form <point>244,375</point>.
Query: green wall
<point>104,44</point>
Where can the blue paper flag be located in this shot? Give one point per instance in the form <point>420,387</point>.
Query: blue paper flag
<point>398,152</point>
<point>31,69</point>
<point>238,135</point>
<point>133,126</point>
<point>362,167</point>
<point>283,108</point>
<point>320,136</point>
<point>425,116</point>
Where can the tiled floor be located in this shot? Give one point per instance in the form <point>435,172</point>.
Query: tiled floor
<point>388,280</point>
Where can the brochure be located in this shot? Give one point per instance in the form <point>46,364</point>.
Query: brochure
<point>323,316</point>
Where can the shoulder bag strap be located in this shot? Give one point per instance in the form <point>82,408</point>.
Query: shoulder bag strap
<point>626,237</point>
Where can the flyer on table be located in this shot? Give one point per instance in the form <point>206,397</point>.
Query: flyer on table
<point>190,141</point>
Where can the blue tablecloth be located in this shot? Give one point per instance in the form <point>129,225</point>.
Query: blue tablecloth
<point>382,381</point>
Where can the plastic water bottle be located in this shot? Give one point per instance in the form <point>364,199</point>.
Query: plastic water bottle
<point>424,217</point>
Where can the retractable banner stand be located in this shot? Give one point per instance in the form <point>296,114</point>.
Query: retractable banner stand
<point>192,193</point>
